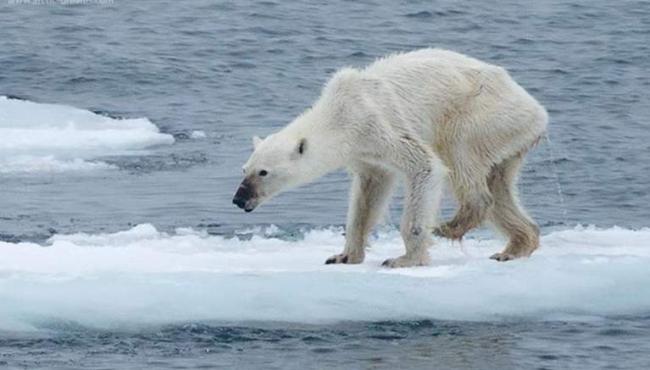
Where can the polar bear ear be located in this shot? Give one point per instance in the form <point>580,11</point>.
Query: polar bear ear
<point>302,146</point>
<point>299,150</point>
<point>256,141</point>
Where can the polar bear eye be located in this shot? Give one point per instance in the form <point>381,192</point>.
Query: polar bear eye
<point>263,173</point>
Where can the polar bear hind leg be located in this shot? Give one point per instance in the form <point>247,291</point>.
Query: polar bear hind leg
<point>474,198</point>
<point>507,215</point>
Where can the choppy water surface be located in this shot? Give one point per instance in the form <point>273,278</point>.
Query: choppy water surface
<point>381,345</point>
<point>155,103</point>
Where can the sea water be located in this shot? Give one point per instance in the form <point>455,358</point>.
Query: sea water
<point>123,127</point>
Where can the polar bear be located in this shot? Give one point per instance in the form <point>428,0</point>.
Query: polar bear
<point>427,117</point>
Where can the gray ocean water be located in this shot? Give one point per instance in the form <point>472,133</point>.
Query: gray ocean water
<point>235,69</point>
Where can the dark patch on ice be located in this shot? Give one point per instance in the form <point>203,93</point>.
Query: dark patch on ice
<point>9,238</point>
<point>105,113</point>
<point>182,136</point>
<point>18,97</point>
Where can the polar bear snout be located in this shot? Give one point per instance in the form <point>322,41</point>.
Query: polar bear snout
<point>245,197</point>
<point>239,202</point>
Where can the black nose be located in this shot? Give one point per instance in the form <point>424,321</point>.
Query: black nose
<point>242,195</point>
<point>239,202</point>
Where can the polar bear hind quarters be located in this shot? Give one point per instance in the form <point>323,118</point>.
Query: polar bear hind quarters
<point>426,117</point>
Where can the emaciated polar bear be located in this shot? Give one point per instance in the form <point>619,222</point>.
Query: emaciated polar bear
<point>423,116</point>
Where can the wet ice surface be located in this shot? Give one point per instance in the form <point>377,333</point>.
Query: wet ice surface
<point>142,297</point>
<point>155,105</point>
<point>143,276</point>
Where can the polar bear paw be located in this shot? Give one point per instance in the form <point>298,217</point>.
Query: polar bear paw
<point>502,257</point>
<point>346,258</point>
<point>406,261</point>
<point>450,231</point>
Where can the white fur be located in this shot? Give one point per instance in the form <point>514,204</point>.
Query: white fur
<point>420,116</point>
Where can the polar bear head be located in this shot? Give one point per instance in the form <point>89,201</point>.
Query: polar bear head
<point>279,162</point>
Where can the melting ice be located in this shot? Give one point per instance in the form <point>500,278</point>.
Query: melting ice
<point>144,276</point>
<point>55,138</point>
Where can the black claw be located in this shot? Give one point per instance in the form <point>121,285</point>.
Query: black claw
<point>330,261</point>
<point>385,263</point>
<point>501,257</point>
<point>344,259</point>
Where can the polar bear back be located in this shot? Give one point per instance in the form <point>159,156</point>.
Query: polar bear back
<point>448,100</point>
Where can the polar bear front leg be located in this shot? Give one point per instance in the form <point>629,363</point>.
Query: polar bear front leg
<point>423,194</point>
<point>369,195</point>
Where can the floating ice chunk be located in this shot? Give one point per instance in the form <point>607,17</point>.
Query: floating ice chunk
<point>30,164</point>
<point>142,275</point>
<point>53,138</point>
<point>198,135</point>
